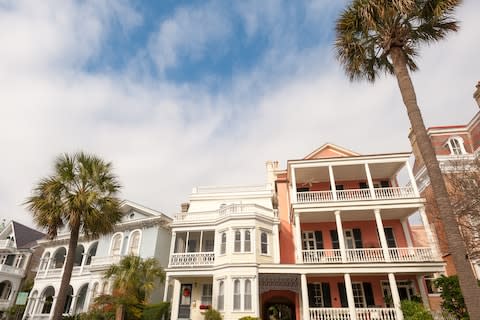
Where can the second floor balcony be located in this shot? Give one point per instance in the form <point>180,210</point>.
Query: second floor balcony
<point>193,249</point>
<point>7,245</point>
<point>12,270</point>
<point>384,193</point>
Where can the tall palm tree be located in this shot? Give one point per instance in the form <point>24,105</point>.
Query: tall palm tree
<point>81,195</point>
<point>133,280</point>
<point>383,36</point>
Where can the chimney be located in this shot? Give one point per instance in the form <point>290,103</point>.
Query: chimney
<point>272,166</point>
<point>185,207</point>
<point>476,94</point>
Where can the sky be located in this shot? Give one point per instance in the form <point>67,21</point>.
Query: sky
<point>178,94</point>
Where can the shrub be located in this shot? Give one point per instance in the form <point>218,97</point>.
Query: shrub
<point>212,314</point>
<point>248,318</point>
<point>156,311</point>
<point>451,294</point>
<point>413,310</point>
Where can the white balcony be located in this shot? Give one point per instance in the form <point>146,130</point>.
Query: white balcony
<point>104,262</point>
<point>355,195</point>
<point>192,259</point>
<point>369,255</point>
<point>229,210</point>
<point>344,314</point>
<point>12,270</point>
<point>4,304</point>
<point>7,245</point>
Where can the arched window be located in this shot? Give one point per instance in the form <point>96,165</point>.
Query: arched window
<point>221,296</point>
<point>47,300</point>
<point>5,290</point>
<point>134,243</point>
<point>31,302</point>
<point>45,261</point>
<point>105,288</point>
<point>264,243</point>
<point>59,257</point>
<point>223,244</point>
<point>456,146</point>
<point>237,295</point>
<point>238,241</point>
<point>92,251</point>
<point>247,245</point>
<point>248,295</point>
<point>116,244</point>
<point>68,301</point>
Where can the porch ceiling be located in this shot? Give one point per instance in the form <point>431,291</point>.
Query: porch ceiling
<point>357,215</point>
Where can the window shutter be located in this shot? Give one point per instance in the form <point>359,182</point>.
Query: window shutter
<point>369,299</point>
<point>327,299</point>
<point>319,240</point>
<point>390,238</point>
<point>311,295</point>
<point>385,184</point>
<point>357,235</point>
<point>343,294</point>
<point>334,237</point>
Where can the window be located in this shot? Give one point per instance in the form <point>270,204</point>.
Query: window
<point>358,295</point>
<point>248,295</point>
<point>207,294</point>
<point>312,240</point>
<point>238,241</point>
<point>221,295</point>
<point>456,146</point>
<point>264,243</point>
<point>390,237</point>
<point>223,244</point>
<point>134,244</point>
<point>319,295</point>
<point>116,244</point>
<point>236,295</point>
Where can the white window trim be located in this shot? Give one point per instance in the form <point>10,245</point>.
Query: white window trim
<point>242,239</point>
<point>111,243</point>
<point>130,239</point>
<point>364,300</point>
<point>221,233</point>
<point>242,280</point>
<point>268,253</point>
<point>460,142</point>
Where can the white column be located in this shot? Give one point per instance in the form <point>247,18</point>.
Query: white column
<point>165,290</point>
<point>255,298</point>
<point>381,232</point>
<point>350,299</point>
<point>395,296</point>
<point>84,259</point>
<point>406,231</point>
<point>341,238</point>
<point>175,299</point>
<point>413,183</point>
<point>276,245</point>
<point>370,181</point>
<point>293,185</point>
<point>332,182</point>
<point>428,231</point>
<point>54,302</point>
<point>49,261</point>
<point>186,241</point>
<point>298,238</point>
<point>73,304</point>
<point>172,244</point>
<point>305,307</point>
<point>35,306</point>
<point>423,292</point>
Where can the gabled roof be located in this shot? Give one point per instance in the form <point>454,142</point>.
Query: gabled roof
<point>330,150</point>
<point>127,205</point>
<point>24,237</point>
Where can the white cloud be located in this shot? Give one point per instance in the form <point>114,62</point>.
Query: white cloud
<point>165,138</point>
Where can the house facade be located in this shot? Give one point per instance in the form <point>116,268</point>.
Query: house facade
<point>142,231</point>
<point>327,238</point>
<point>18,256</point>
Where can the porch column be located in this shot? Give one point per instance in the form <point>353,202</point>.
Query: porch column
<point>293,186</point>
<point>370,181</point>
<point>332,182</point>
<point>276,245</point>
<point>84,259</point>
<point>423,292</point>
<point>172,244</point>
<point>186,241</point>
<point>165,290</point>
<point>201,240</point>
<point>341,238</point>
<point>49,261</point>
<point>381,232</point>
<point>406,232</point>
<point>350,299</point>
<point>175,299</point>
<point>305,306</point>
<point>413,183</point>
<point>298,238</point>
<point>255,302</point>
<point>73,304</point>
<point>54,302</point>
<point>428,231</point>
<point>395,296</point>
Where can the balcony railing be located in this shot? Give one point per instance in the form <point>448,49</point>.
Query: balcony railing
<point>12,270</point>
<point>192,259</point>
<point>7,244</point>
<point>105,261</point>
<point>344,314</point>
<point>355,195</point>
<point>369,255</point>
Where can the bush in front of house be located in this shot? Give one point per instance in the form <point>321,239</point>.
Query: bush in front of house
<point>413,310</point>
<point>248,318</point>
<point>156,311</point>
<point>212,314</point>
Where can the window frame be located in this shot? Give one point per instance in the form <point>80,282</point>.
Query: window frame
<point>223,244</point>
<point>237,295</point>
<point>266,243</point>
<point>221,296</point>
<point>129,245</point>
<point>120,234</point>
<point>456,146</point>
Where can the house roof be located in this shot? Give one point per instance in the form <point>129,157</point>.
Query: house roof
<point>330,150</point>
<point>24,237</point>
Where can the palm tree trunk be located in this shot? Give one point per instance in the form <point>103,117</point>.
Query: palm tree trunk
<point>67,273</point>
<point>468,282</point>
<point>119,312</point>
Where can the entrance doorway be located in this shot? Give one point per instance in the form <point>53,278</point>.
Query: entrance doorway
<point>185,301</point>
<point>278,308</point>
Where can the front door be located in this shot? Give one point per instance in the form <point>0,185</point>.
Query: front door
<point>185,301</point>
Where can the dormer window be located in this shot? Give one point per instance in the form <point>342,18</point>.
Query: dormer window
<point>455,144</point>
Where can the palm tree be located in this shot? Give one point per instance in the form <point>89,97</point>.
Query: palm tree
<point>80,195</point>
<point>383,36</point>
<point>133,280</point>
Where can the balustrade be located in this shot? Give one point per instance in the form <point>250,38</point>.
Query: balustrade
<point>355,195</point>
<point>191,259</point>
<point>329,314</point>
<point>322,256</point>
<point>11,269</point>
<point>376,314</point>
<point>344,314</point>
<point>411,254</point>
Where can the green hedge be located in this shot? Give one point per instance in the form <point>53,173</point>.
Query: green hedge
<point>156,311</point>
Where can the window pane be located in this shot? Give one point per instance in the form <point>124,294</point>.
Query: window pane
<point>264,243</point>
<point>220,301</point>
<point>207,294</point>
<point>237,241</point>
<point>247,244</point>
<point>223,246</point>
<point>248,295</point>
<point>236,295</point>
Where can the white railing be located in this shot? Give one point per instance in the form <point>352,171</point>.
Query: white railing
<point>329,314</point>
<point>192,259</point>
<point>10,269</point>
<point>242,208</point>
<point>6,244</point>
<point>369,255</point>
<point>4,304</point>
<point>355,194</point>
<point>105,261</point>
<point>411,254</point>
<point>322,256</point>
<point>394,193</point>
<point>40,316</point>
<point>231,209</point>
<point>376,314</point>
<point>228,189</point>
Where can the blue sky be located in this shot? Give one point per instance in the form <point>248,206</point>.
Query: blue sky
<point>185,93</point>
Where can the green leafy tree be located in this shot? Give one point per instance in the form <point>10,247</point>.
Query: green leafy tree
<point>384,36</point>
<point>80,195</point>
<point>414,310</point>
<point>212,314</point>
<point>133,280</point>
<point>452,298</point>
